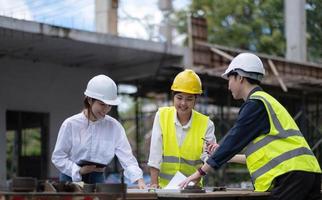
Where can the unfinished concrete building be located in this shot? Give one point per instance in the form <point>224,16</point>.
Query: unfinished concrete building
<point>45,69</point>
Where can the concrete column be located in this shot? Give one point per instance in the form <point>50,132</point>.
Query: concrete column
<point>106,16</point>
<point>3,144</point>
<point>165,27</point>
<point>295,28</point>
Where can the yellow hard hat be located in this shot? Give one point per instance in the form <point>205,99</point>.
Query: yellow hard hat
<point>188,82</point>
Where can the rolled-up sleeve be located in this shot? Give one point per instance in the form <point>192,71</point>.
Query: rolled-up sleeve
<point>133,173</point>
<point>209,136</point>
<point>123,151</point>
<point>60,157</point>
<point>155,156</point>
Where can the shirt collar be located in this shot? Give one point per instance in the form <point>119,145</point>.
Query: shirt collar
<point>177,122</point>
<point>258,88</point>
<point>90,122</point>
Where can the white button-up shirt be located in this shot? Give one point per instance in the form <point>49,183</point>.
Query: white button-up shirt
<point>156,151</point>
<point>81,139</point>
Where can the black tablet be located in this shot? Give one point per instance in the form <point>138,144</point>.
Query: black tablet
<point>82,163</point>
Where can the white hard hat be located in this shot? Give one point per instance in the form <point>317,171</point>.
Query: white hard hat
<point>247,65</point>
<point>102,88</point>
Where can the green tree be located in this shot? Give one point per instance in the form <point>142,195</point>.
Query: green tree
<point>255,25</point>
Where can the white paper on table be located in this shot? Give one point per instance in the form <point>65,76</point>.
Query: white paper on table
<point>176,180</point>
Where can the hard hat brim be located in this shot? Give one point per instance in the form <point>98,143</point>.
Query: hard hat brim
<point>186,91</point>
<point>225,75</point>
<point>113,102</point>
<point>240,72</point>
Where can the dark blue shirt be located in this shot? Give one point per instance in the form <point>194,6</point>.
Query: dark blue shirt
<point>251,122</point>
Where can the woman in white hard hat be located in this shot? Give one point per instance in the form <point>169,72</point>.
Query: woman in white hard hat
<point>278,157</point>
<point>178,131</point>
<point>89,140</point>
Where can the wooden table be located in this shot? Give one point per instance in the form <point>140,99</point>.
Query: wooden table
<point>218,195</point>
<point>144,195</point>
<point>226,195</point>
<point>74,196</point>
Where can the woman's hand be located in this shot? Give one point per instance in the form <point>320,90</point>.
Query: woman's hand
<point>90,168</point>
<point>239,158</point>
<point>195,177</point>
<point>154,186</point>
<point>87,169</point>
<point>211,147</point>
<point>141,184</point>
<point>99,169</point>
<point>154,174</point>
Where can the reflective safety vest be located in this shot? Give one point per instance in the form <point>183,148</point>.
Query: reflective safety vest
<point>282,150</point>
<point>185,158</point>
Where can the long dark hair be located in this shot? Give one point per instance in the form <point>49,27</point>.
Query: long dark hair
<point>88,107</point>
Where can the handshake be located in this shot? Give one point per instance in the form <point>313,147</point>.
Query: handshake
<point>210,146</point>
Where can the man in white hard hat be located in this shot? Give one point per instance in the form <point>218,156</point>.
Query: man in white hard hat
<point>277,155</point>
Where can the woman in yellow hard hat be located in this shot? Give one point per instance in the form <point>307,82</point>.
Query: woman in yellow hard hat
<point>176,142</point>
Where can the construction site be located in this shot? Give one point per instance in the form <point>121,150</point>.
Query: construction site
<point>45,69</point>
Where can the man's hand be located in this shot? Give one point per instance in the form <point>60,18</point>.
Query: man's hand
<point>195,177</point>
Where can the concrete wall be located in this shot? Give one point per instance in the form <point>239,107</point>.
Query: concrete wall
<point>41,87</point>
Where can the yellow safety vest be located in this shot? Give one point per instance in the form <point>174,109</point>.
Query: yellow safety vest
<point>282,150</point>
<point>186,158</point>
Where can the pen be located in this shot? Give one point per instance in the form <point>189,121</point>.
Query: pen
<point>204,140</point>
<point>206,144</point>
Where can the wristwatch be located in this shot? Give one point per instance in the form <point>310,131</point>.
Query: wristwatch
<point>201,172</point>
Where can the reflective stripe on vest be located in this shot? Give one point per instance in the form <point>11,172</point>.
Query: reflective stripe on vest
<point>173,159</point>
<point>282,150</point>
<point>278,160</point>
<point>185,158</point>
<point>282,133</point>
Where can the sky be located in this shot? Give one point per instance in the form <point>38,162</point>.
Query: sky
<point>135,16</point>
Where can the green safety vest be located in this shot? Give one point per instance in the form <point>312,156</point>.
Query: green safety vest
<point>185,158</point>
<point>282,150</point>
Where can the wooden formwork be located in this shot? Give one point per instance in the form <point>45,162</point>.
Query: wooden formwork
<point>214,59</point>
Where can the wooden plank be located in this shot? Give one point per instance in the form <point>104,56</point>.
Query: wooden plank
<point>222,53</point>
<point>275,72</point>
